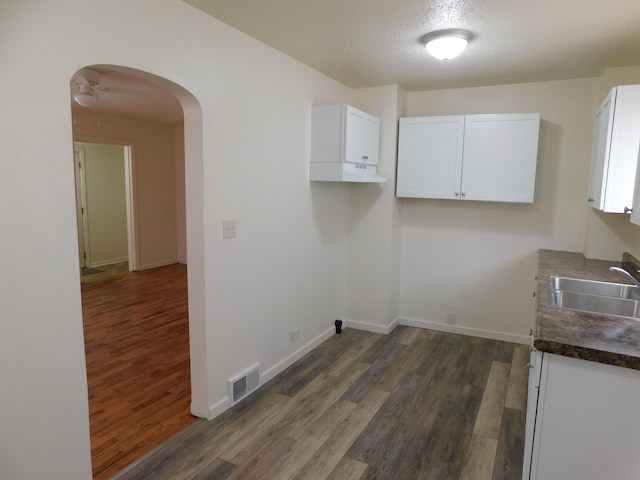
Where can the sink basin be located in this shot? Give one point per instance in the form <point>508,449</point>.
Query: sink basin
<point>619,307</point>
<point>606,298</point>
<point>590,287</point>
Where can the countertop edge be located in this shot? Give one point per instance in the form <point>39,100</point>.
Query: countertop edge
<point>598,338</point>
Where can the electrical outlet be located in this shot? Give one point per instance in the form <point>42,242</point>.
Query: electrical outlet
<point>228,229</point>
<point>451,318</point>
<point>295,334</point>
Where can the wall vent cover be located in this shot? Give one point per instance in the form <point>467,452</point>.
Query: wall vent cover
<point>244,384</point>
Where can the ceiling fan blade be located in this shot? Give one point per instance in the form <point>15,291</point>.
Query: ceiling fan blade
<point>123,91</point>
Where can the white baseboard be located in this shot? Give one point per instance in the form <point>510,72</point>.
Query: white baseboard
<point>161,263</point>
<point>459,329</point>
<point>225,402</point>
<point>371,327</point>
<point>111,261</point>
<point>219,407</point>
<point>295,356</point>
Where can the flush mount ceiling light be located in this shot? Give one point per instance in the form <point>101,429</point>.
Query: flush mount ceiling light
<point>446,44</point>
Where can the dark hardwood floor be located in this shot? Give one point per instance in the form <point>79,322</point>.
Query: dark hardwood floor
<point>137,352</point>
<point>415,404</point>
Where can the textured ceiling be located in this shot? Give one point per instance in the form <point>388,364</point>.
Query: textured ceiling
<point>365,43</point>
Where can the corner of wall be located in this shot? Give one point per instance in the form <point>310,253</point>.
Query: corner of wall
<point>373,258</point>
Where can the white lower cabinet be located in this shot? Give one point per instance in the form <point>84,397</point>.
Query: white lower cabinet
<point>583,420</point>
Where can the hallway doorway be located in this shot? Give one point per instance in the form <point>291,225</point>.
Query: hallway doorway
<point>104,205</point>
<point>136,378</point>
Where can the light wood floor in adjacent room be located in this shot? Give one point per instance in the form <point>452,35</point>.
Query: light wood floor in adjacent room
<point>415,404</point>
<point>137,350</point>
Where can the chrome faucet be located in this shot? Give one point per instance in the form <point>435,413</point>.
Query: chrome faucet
<point>623,272</point>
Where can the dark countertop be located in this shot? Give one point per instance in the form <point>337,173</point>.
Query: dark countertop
<point>598,338</point>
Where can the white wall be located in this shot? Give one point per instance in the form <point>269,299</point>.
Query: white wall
<point>373,275</point>
<point>286,268</point>
<point>478,259</point>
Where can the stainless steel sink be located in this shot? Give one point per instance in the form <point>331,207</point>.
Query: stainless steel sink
<point>605,298</point>
<point>619,307</point>
<point>591,287</point>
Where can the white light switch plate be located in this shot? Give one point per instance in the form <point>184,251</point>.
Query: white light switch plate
<point>228,229</point>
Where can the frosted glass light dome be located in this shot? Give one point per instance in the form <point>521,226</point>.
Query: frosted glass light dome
<point>446,44</point>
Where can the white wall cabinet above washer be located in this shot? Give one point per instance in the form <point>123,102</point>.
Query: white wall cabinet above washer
<point>488,157</point>
<point>345,145</point>
<point>615,150</point>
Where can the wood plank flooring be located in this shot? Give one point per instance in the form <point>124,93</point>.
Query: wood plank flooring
<point>137,352</point>
<point>415,404</point>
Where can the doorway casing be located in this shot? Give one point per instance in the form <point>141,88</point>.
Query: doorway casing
<point>81,197</point>
<point>201,404</point>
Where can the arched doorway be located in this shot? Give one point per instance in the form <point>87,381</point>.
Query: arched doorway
<point>126,98</point>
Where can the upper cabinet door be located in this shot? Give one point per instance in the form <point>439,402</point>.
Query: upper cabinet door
<point>500,156</point>
<point>430,156</point>
<point>362,137</point>
<point>635,212</point>
<point>615,150</point>
<point>600,152</point>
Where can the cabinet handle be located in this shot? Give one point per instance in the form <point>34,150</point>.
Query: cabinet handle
<point>590,200</point>
<point>534,294</point>
<point>462,194</point>
<point>456,194</point>
<point>628,210</point>
<point>531,332</point>
<point>365,157</point>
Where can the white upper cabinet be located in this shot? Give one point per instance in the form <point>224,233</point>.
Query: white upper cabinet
<point>430,156</point>
<point>345,144</point>
<point>470,157</point>
<point>635,212</point>
<point>615,150</point>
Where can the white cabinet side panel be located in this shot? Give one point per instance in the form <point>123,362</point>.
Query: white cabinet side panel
<point>327,133</point>
<point>535,371</point>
